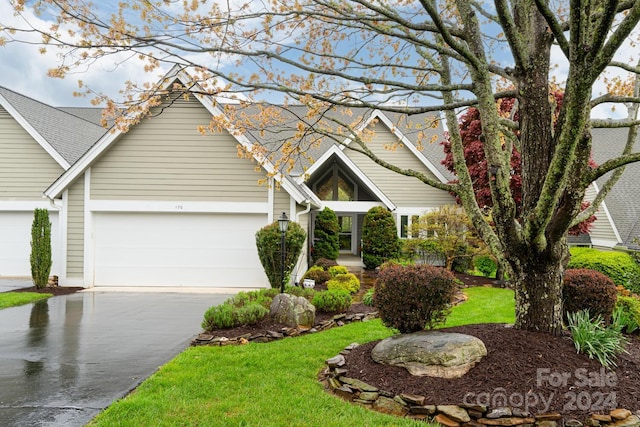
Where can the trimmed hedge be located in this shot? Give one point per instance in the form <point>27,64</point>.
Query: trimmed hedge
<point>412,298</point>
<point>347,282</point>
<point>619,266</point>
<point>589,290</point>
<point>318,274</point>
<point>332,301</point>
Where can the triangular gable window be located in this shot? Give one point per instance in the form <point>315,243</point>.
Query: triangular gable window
<point>336,187</point>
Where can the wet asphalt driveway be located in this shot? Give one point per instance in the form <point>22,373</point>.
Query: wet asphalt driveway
<point>65,359</point>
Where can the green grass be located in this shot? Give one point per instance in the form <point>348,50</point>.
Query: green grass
<point>11,299</point>
<point>271,384</point>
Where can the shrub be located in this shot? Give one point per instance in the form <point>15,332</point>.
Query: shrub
<point>325,263</point>
<point>619,266</point>
<point>332,301</point>
<point>301,292</point>
<point>593,338</point>
<point>379,237</point>
<point>338,269</point>
<point>225,316</point>
<point>318,274</point>
<point>486,264</point>
<point>413,298</point>
<point>367,298</point>
<point>268,241</point>
<point>347,282</point>
<point>40,248</point>
<point>627,313</point>
<point>588,290</point>
<point>326,232</point>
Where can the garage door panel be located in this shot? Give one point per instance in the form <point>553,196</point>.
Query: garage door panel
<point>15,245</point>
<point>156,249</point>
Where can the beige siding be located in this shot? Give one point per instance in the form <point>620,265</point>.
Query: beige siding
<point>402,190</point>
<point>75,229</point>
<point>166,158</point>
<point>281,202</point>
<point>26,169</point>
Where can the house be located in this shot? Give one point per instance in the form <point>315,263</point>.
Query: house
<point>167,205</point>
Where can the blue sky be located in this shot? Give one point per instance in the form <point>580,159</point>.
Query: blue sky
<point>24,69</point>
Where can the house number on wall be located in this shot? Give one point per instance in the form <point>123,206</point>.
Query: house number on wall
<point>179,207</point>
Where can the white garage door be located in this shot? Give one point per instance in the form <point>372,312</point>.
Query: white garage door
<point>165,249</point>
<point>15,243</point>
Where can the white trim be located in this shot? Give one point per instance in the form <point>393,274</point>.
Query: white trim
<point>25,205</point>
<point>64,218</point>
<point>411,210</point>
<point>88,257</point>
<point>351,207</point>
<point>270,200</point>
<point>177,206</point>
<point>335,150</point>
<point>34,134</point>
<point>607,243</point>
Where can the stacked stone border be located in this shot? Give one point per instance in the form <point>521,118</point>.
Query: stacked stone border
<point>268,336</point>
<point>415,407</point>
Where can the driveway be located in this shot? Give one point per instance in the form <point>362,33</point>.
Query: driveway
<point>65,359</point>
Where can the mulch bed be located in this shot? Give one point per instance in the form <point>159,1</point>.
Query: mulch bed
<point>528,367</point>
<point>54,290</point>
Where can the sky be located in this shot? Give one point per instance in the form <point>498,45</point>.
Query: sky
<point>24,69</point>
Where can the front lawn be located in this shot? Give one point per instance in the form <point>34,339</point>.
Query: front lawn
<point>11,299</point>
<point>272,384</point>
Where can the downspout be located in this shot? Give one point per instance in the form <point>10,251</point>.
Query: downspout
<point>61,229</point>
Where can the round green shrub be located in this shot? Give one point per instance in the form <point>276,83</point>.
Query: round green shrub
<point>225,316</point>
<point>412,298</point>
<point>619,266</point>
<point>590,290</point>
<point>379,237</point>
<point>326,232</point>
<point>486,264</point>
<point>332,301</point>
<point>347,282</point>
<point>301,292</point>
<point>338,269</point>
<point>318,274</point>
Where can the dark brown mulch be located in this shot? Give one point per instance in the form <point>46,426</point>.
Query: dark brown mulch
<point>528,369</point>
<point>55,290</point>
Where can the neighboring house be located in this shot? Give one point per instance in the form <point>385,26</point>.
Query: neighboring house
<point>166,205</point>
<point>37,144</point>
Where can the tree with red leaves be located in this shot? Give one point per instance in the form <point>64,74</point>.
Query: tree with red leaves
<point>472,141</point>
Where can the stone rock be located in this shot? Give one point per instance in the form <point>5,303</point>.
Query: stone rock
<point>336,361</point>
<point>509,421</point>
<point>620,414</point>
<point>500,412</point>
<point>454,412</point>
<point>423,410</point>
<point>631,421</point>
<point>357,384</point>
<point>547,423</point>
<point>446,421</point>
<point>368,396</point>
<point>573,423</point>
<point>413,399</point>
<point>601,417</point>
<point>293,311</point>
<point>551,416</point>
<point>389,406</point>
<point>431,353</point>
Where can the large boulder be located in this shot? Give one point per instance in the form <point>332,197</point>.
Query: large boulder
<point>293,311</point>
<point>431,353</point>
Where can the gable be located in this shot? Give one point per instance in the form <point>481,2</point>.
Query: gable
<point>165,157</point>
<point>26,169</point>
<point>402,190</point>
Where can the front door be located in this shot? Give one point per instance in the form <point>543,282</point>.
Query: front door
<point>346,223</point>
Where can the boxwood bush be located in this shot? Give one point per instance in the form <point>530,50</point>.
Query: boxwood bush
<point>589,290</point>
<point>619,266</point>
<point>317,273</point>
<point>337,269</point>
<point>332,301</point>
<point>347,282</point>
<point>412,298</point>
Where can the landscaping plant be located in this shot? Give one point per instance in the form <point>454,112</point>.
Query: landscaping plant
<point>590,290</point>
<point>619,266</point>
<point>627,313</point>
<point>593,338</point>
<point>412,298</point>
<point>347,282</point>
<point>486,264</point>
<point>379,237</point>
<point>332,301</point>
<point>367,298</point>
<point>337,269</point>
<point>40,248</point>
<point>326,233</point>
<point>317,273</point>
<point>268,241</point>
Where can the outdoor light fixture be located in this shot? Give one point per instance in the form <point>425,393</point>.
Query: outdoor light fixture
<point>283,224</point>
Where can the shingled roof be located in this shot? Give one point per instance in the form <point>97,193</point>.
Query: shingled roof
<point>68,134</point>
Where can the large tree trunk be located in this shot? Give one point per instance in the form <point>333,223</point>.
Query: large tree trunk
<point>538,289</point>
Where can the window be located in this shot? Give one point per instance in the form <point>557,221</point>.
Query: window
<point>335,186</point>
